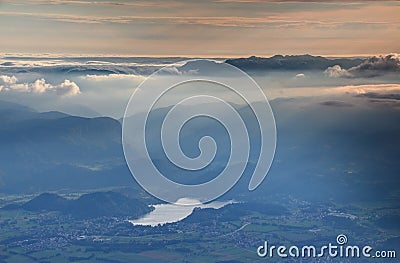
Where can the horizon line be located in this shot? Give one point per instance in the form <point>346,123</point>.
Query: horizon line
<point>75,55</point>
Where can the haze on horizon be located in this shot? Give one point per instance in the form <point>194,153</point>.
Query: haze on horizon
<point>210,28</point>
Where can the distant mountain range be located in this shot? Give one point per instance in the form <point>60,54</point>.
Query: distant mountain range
<point>53,150</point>
<point>326,150</point>
<point>292,62</point>
<point>86,206</point>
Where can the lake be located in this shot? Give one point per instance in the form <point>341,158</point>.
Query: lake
<point>170,213</point>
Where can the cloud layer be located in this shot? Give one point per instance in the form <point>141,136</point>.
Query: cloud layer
<point>114,77</point>
<point>373,67</point>
<point>40,86</point>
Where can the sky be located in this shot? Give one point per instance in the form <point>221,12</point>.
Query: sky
<point>209,28</point>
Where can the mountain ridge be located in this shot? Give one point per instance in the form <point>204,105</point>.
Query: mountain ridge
<point>292,62</point>
<point>91,205</point>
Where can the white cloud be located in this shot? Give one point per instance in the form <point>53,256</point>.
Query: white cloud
<point>39,86</point>
<point>67,88</point>
<point>8,80</point>
<point>336,72</point>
